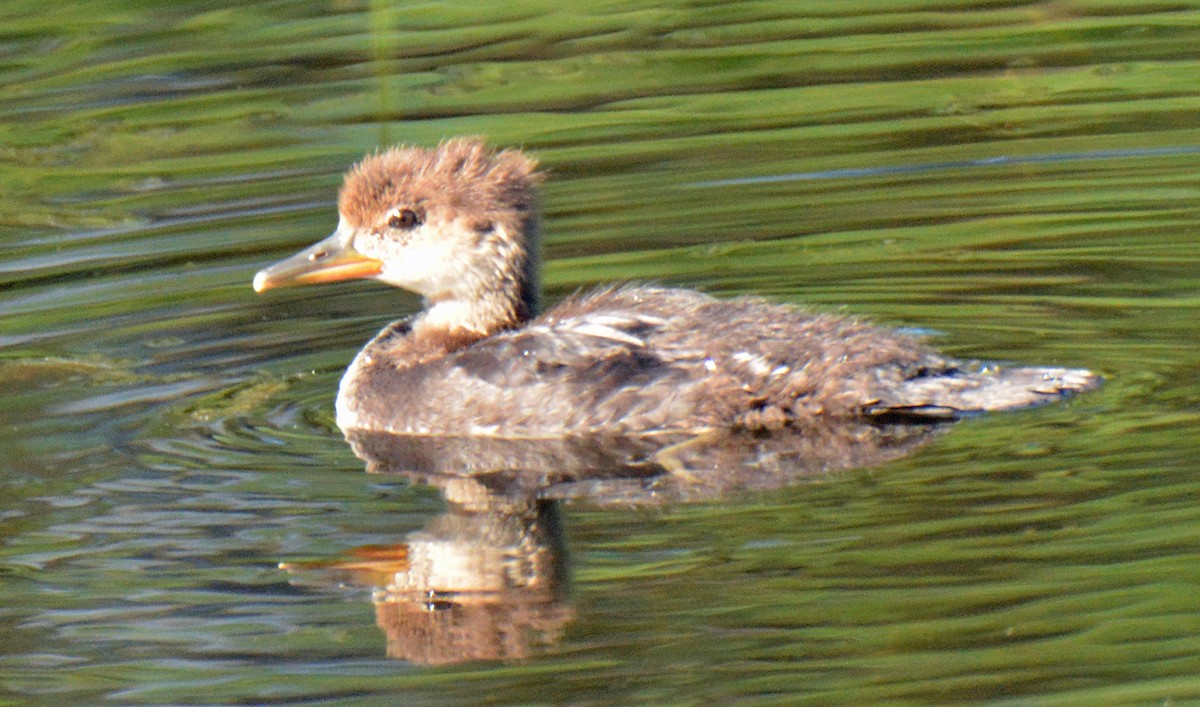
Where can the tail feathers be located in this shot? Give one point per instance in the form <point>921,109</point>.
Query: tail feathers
<point>961,392</point>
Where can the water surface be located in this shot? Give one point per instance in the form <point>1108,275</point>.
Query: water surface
<point>1016,178</point>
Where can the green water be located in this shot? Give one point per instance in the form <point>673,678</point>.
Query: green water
<point>168,434</point>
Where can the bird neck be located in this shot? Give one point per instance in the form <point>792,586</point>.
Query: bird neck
<point>500,293</point>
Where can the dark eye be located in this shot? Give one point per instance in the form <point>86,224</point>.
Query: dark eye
<point>403,219</point>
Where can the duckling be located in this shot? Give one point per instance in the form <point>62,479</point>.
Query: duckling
<point>458,224</point>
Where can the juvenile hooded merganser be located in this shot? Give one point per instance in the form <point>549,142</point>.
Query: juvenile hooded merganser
<point>458,224</point>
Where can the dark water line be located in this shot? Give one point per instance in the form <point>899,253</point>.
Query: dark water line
<point>999,161</point>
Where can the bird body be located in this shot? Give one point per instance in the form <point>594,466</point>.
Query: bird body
<point>458,224</point>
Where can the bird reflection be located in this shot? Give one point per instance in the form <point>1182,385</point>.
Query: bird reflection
<point>487,579</point>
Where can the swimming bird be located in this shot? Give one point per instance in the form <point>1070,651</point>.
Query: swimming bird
<point>458,224</point>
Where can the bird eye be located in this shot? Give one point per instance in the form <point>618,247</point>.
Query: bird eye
<point>403,219</point>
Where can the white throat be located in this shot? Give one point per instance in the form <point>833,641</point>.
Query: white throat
<point>454,314</point>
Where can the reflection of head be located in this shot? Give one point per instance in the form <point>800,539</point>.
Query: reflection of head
<point>505,627</point>
<point>485,581</point>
